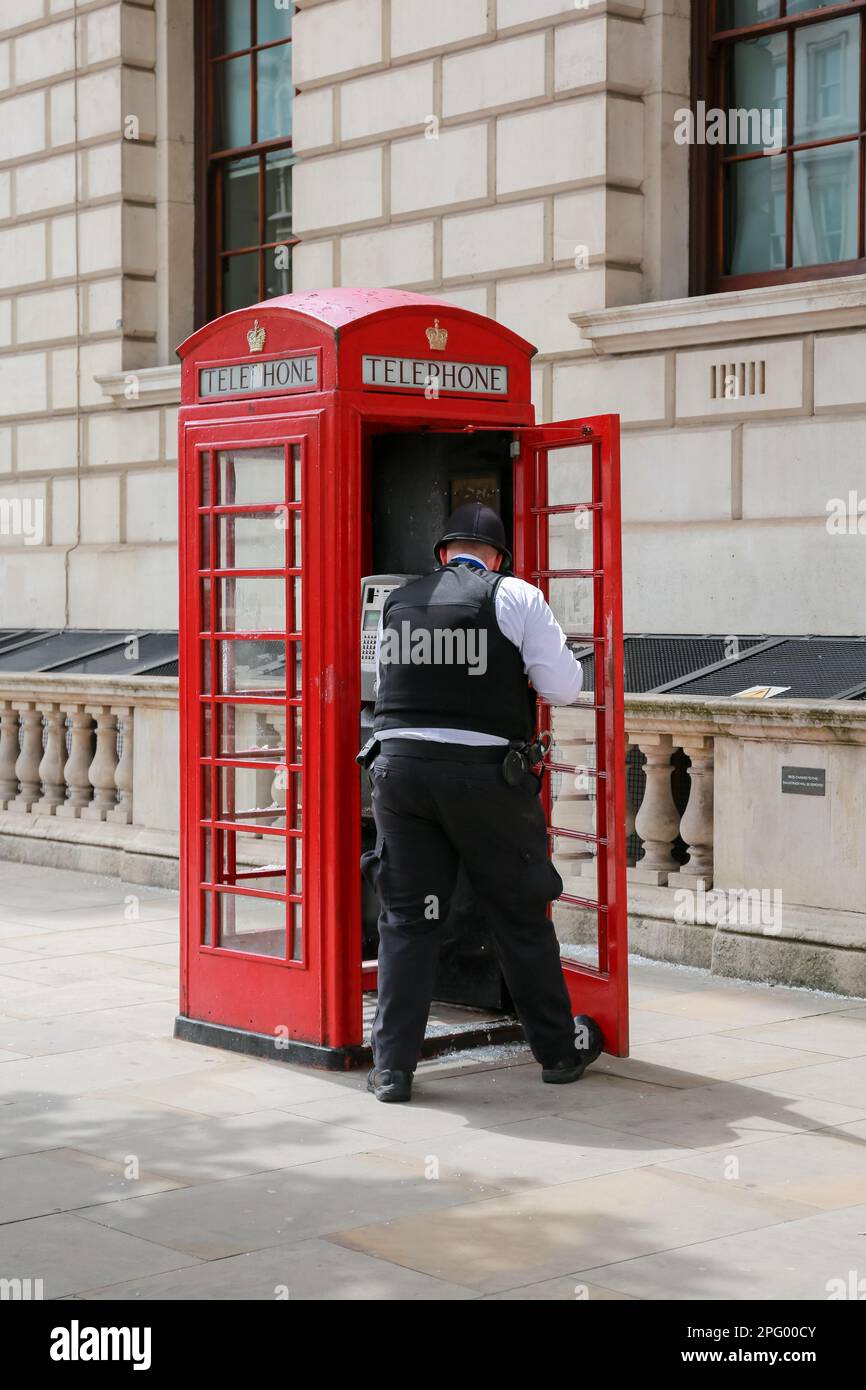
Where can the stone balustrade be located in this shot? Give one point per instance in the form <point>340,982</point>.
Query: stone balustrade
<point>745,836</point>
<point>674,822</point>
<point>89,778</point>
<point>87,760</point>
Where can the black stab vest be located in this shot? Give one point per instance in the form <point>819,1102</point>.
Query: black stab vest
<point>447,620</point>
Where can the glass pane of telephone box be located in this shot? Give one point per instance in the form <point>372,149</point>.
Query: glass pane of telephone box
<point>252,605</point>
<point>569,476</point>
<point>247,477</point>
<point>250,731</point>
<point>251,542</point>
<point>573,604</point>
<point>253,861</point>
<point>296,937</point>
<point>260,796</point>
<point>576,862</point>
<point>251,667</point>
<point>251,796</point>
<point>257,925</point>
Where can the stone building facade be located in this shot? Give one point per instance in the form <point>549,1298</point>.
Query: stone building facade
<point>516,156</point>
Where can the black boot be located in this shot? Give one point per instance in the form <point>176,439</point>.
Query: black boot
<point>572,1067</point>
<point>390,1085</point>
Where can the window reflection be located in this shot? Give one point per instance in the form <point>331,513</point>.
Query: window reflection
<point>756,207</point>
<point>825,205</point>
<point>827,80</point>
<point>800,208</point>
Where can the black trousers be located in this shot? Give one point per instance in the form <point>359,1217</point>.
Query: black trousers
<point>431,815</point>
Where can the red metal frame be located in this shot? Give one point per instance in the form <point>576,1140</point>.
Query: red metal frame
<point>317,1000</point>
<point>602,990</point>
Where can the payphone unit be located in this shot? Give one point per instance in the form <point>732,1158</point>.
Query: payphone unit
<point>375,589</point>
<point>325,437</point>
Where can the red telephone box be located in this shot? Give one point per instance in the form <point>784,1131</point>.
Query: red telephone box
<point>324,437</point>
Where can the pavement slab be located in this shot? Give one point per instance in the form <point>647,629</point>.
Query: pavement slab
<point>212,1148</point>
<point>38,1037</point>
<point>539,1152</point>
<point>720,1115</point>
<point>70,1254</point>
<point>841,1082</point>
<point>96,1069</point>
<point>311,1270</point>
<point>725,1158</point>
<point>63,1180</point>
<point>840,1034</point>
<point>445,1104</point>
<point>818,1257</point>
<point>539,1234</point>
<point>823,1168</point>
<point>279,1207</point>
<point>694,1061</point>
<point>35,1123</point>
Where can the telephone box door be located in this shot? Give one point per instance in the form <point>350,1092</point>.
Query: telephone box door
<point>248,751</point>
<point>567,542</point>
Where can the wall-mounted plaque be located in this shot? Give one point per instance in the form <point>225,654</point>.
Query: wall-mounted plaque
<point>804,781</point>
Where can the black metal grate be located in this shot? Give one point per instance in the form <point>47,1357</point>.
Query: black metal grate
<point>78,651</point>
<point>816,668</point>
<point>168,668</point>
<point>51,650</point>
<point>139,657</point>
<point>651,662</point>
<point>810,668</point>
<point>12,639</point>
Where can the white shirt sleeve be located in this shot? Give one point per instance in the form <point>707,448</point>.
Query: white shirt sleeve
<point>526,619</point>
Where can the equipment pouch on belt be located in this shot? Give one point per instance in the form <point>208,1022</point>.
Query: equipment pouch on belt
<point>369,752</point>
<point>525,757</point>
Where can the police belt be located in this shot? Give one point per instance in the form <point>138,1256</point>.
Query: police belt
<point>515,758</point>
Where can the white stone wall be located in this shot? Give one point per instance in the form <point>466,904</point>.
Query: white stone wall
<point>490,150</point>
<point>95,200</point>
<point>514,156</point>
<point>731,504</point>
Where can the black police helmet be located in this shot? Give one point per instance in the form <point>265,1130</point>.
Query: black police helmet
<point>475,522</point>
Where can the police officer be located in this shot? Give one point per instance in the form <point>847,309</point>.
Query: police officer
<point>452,782</point>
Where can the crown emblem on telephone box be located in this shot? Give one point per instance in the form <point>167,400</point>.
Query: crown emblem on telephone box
<point>437,337</point>
<point>256,337</point>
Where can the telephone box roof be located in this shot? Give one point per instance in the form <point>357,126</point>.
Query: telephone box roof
<point>339,309</point>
